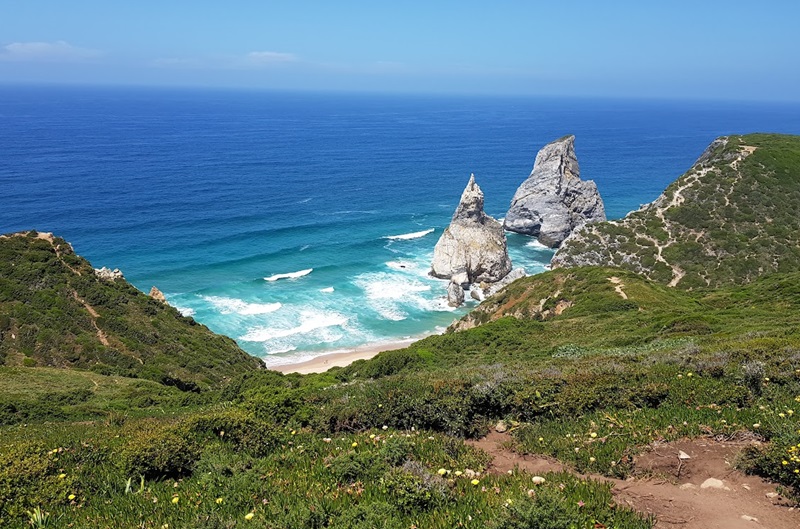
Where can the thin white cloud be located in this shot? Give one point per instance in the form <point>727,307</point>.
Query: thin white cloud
<point>177,62</point>
<point>246,61</point>
<point>58,51</point>
<point>270,57</point>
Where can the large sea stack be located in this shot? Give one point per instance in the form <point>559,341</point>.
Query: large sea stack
<point>473,248</point>
<point>554,201</point>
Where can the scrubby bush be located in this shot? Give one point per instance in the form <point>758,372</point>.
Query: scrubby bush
<point>236,427</point>
<point>30,476</point>
<point>356,466</point>
<point>157,451</point>
<point>414,488</point>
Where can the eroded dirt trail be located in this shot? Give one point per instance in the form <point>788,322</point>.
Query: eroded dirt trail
<point>680,492</point>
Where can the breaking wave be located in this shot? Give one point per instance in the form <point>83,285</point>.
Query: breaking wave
<point>409,236</point>
<point>290,275</point>
<point>238,306</point>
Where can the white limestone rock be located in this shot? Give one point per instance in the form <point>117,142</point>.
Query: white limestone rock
<point>554,201</point>
<point>107,274</point>
<point>455,294</point>
<point>474,244</point>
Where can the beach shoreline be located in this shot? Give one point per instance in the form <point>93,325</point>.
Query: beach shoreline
<point>326,361</point>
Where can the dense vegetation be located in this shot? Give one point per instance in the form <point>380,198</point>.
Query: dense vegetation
<point>604,377</point>
<point>55,311</point>
<point>730,219</point>
<point>589,365</point>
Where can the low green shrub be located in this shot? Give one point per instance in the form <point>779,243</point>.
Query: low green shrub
<point>31,476</point>
<point>356,466</point>
<point>157,451</point>
<point>234,426</point>
<point>414,488</point>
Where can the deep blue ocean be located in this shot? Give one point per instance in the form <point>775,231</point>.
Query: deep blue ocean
<point>304,223</point>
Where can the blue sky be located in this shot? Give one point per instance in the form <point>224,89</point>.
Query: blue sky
<point>698,49</point>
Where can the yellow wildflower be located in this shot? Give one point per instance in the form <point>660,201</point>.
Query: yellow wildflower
<point>249,516</point>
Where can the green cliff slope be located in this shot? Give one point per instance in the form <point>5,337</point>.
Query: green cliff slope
<point>56,312</point>
<point>731,218</point>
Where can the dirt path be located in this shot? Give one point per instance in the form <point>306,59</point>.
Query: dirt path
<point>93,313</point>
<point>678,494</point>
<point>619,285</point>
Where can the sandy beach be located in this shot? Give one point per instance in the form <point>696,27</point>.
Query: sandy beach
<point>340,359</point>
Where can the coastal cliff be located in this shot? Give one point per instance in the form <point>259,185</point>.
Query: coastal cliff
<point>554,201</point>
<point>473,247</point>
<point>729,219</point>
<point>57,311</point>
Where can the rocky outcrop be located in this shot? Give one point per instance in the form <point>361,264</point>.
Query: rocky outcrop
<point>455,294</point>
<point>474,244</point>
<point>473,248</point>
<point>107,274</point>
<point>554,201</point>
<point>157,295</point>
<point>731,218</point>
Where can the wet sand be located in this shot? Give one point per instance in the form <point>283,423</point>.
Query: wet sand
<point>340,359</point>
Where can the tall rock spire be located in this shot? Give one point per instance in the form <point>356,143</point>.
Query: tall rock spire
<point>473,248</point>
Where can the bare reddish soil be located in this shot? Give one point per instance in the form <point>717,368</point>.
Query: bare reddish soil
<point>672,489</point>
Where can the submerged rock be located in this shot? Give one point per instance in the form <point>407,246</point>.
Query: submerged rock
<point>554,201</point>
<point>474,244</point>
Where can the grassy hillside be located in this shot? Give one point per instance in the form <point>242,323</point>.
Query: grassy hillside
<point>366,443</point>
<point>590,365</point>
<point>56,312</point>
<point>730,219</point>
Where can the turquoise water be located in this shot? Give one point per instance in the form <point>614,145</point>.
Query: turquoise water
<point>337,199</point>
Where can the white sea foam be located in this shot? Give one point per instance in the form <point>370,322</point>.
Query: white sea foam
<point>186,311</point>
<point>310,321</point>
<point>409,236</point>
<point>327,290</point>
<point>281,350</point>
<point>238,306</point>
<point>388,292</point>
<point>533,243</point>
<point>290,275</point>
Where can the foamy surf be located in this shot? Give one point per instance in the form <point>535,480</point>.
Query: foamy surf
<point>186,311</point>
<point>290,275</point>
<point>327,290</point>
<point>409,236</point>
<point>387,293</point>
<point>310,322</point>
<point>533,243</point>
<point>241,307</point>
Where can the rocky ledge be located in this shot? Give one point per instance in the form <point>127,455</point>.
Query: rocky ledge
<point>472,250</point>
<point>554,201</point>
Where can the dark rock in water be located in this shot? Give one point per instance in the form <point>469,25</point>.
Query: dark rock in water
<point>554,201</point>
